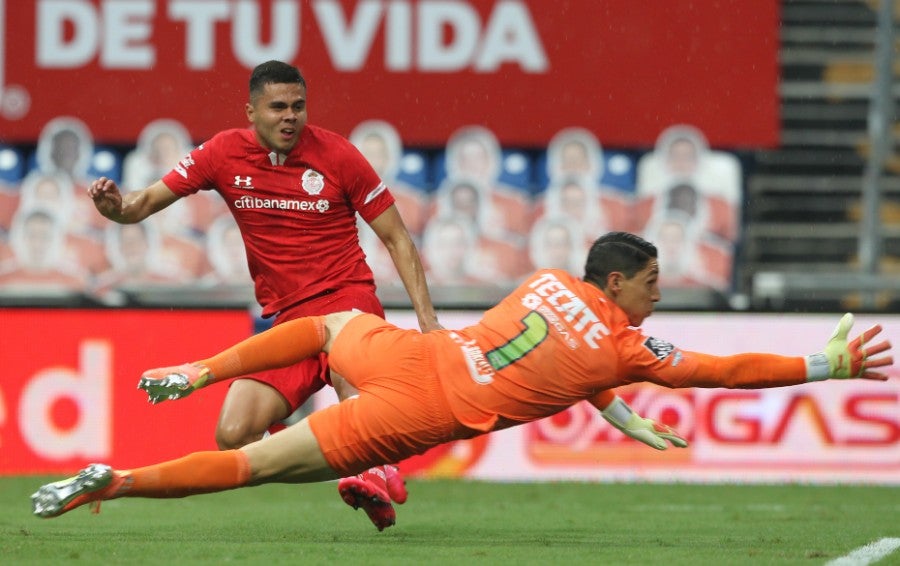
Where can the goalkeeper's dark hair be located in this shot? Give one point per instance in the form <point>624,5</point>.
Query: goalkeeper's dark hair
<point>617,251</point>
<point>273,72</point>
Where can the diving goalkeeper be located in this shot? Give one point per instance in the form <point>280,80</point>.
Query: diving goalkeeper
<point>554,341</point>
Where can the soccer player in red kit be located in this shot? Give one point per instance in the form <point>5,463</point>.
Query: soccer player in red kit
<point>554,341</point>
<point>295,189</point>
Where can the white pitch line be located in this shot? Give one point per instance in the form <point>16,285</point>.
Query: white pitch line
<point>869,554</point>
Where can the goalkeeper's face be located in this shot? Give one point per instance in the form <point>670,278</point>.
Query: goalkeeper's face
<point>638,295</point>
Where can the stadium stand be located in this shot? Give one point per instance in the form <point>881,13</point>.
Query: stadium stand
<point>406,172</point>
<point>796,211</point>
<point>38,263</point>
<point>619,171</point>
<point>682,153</point>
<point>517,168</point>
<point>578,152</point>
<point>466,207</point>
<point>12,169</point>
<point>558,243</point>
<point>12,165</point>
<point>473,154</point>
<point>160,145</point>
<point>803,199</point>
<point>106,162</point>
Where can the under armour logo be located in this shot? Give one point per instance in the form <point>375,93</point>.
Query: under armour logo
<point>242,182</point>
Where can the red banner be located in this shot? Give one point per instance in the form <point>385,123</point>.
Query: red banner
<point>68,395</point>
<point>523,68</point>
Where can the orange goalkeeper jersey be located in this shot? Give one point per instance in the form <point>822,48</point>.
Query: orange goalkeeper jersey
<point>557,340</point>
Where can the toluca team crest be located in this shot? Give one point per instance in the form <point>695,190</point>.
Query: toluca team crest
<point>313,182</point>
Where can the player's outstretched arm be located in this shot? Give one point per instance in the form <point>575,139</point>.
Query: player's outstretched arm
<point>620,415</point>
<point>853,359</point>
<point>132,207</point>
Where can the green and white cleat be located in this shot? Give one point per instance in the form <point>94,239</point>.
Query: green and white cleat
<point>53,499</point>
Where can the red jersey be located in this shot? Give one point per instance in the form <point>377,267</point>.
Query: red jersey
<point>557,340</point>
<point>296,212</point>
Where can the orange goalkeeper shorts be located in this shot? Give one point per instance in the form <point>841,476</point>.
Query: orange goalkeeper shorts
<point>298,382</point>
<point>401,409</point>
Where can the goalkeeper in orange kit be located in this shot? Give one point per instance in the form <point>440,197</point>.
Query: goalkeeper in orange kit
<point>554,341</point>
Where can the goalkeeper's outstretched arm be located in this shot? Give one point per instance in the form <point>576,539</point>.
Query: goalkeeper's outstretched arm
<point>840,359</point>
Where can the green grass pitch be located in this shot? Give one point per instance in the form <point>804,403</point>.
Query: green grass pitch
<point>463,522</point>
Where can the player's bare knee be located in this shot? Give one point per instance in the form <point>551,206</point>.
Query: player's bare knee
<point>232,436</point>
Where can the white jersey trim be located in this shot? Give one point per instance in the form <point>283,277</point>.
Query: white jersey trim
<point>375,192</point>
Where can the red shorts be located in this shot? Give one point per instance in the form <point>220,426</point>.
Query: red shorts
<point>401,409</point>
<point>298,382</point>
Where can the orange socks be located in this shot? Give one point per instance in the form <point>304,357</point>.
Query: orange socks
<point>200,472</point>
<point>279,346</point>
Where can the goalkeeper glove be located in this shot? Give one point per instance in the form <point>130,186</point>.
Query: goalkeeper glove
<point>174,382</point>
<point>849,360</point>
<point>648,431</point>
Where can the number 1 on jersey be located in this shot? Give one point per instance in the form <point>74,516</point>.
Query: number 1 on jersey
<point>536,329</point>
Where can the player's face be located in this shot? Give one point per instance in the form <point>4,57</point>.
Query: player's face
<point>278,115</point>
<point>638,295</point>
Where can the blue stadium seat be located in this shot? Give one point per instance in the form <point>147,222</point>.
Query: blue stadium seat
<point>107,162</point>
<point>517,169</point>
<point>12,164</point>
<point>439,168</point>
<point>415,169</point>
<point>620,171</point>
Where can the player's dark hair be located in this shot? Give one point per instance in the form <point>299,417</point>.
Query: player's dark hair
<point>273,72</point>
<point>617,251</point>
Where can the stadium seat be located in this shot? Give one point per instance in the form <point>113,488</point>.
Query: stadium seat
<point>12,164</point>
<point>415,169</point>
<point>517,169</point>
<point>107,162</point>
<point>619,171</point>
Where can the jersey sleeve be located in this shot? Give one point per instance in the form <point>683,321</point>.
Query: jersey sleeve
<point>195,171</point>
<point>365,189</point>
<point>603,399</point>
<point>651,359</point>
